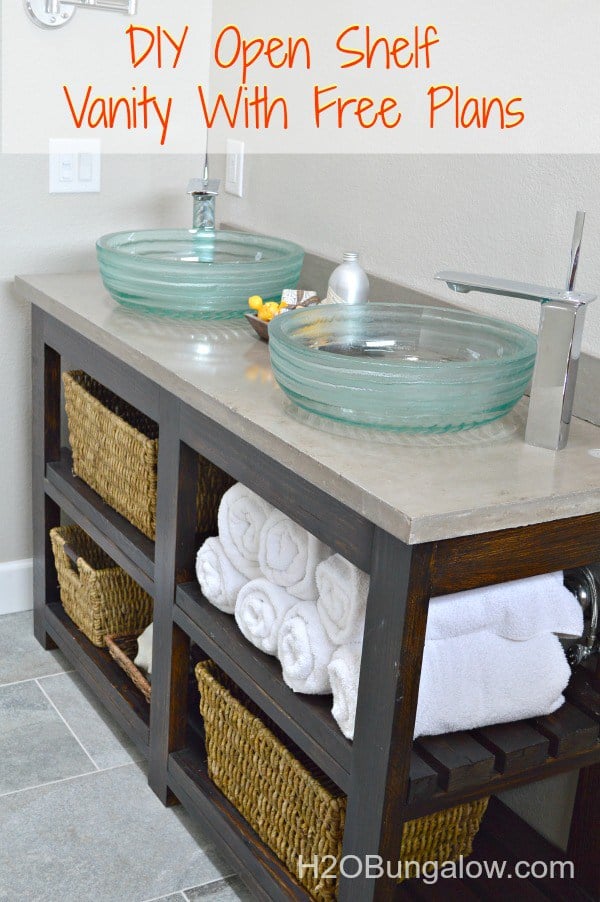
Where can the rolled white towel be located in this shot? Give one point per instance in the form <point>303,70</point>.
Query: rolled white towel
<point>259,612</point>
<point>143,659</point>
<point>481,678</point>
<point>520,609</point>
<point>342,601</point>
<point>304,650</point>
<point>242,514</point>
<point>344,670</point>
<point>219,580</point>
<point>288,556</point>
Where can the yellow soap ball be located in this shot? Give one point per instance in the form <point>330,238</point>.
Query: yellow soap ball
<point>268,311</point>
<point>283,305</point>
<point>255,302</point>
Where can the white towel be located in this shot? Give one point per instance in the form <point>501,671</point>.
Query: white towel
<point>479,679</point>
<point>304,650</point>
<point>467,682</point>
<point>219,580</point>
<point>344,670</point>
<point>242,514</point>
<point>259,612</point>
<point>342,601</point>
<point>288,556</point>
<point>143,659</point>
<point>520,609</point>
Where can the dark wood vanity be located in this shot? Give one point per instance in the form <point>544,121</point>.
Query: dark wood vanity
<point>387,777</point>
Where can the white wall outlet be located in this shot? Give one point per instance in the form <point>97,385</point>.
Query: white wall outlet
<point>234,173</point>
<point>74,165</point>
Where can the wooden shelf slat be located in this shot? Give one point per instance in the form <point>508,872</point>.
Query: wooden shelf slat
<point>517,746</point>
<point>568,729</point>
<point>104,676</point>
<point>125,544</point>
<point>267,876</point>
<point>306,719</point>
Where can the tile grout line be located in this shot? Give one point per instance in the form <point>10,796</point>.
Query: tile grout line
<point>33,679</point>
<point>75,736</point>
<point>89,773</point>
<point>220,879</point>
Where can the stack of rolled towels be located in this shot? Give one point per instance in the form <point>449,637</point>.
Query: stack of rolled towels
<point>491,655</point>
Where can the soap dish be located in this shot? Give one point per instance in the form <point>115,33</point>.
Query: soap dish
<point>260,327</point>
<point>294,298</point>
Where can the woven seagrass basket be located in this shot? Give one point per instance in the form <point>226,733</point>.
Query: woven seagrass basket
<point>293,807</point>
<point>98,596</point>
<point>123,650</point>
<point>115,450</point>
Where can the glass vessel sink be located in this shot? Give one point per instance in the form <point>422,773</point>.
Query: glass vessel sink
<point>401,367</point>
<point>193,273</point>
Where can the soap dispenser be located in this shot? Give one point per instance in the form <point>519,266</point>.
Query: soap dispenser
<point>348,283</point>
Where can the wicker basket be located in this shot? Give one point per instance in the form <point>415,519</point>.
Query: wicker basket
<point>123,650</point>
<point>115,450</point>
<point>98,596</point>
<point>295,809</point>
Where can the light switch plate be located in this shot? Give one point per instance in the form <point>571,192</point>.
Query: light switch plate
<point>74,165</point>
<point>234,173</point>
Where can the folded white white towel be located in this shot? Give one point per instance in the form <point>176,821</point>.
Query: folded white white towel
<point>219,580</point>
<point>143,659</point>
<point>481,678</point>
<point>519,609</point>
<point>304,650</point>
<point>259,612</point>
<point>242,515</point>
<point>344,670</point>
<point>288,556</point>
<point>342,601</point>
<point>467,682</point>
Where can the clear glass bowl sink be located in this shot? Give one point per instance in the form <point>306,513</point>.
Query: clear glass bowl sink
<point>190,273</point>
<point>401,367</point>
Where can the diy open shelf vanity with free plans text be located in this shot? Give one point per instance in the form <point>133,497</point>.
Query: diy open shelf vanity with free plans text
<point>421,520</point>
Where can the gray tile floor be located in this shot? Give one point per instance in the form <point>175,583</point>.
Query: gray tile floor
<point>77,819</point>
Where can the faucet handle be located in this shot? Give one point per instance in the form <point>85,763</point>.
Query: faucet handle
<point>575,249</point>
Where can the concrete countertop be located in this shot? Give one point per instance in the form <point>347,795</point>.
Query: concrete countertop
<point>418,489</point>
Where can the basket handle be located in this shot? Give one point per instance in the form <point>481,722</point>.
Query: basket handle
<point>71,554</point>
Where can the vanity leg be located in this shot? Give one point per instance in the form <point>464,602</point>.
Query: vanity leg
<point>584,838</point>
<point>174,555</point>
<point>45,377</point>
<point>387,703</point>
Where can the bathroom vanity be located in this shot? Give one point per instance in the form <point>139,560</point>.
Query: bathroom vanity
<point>422,517</point>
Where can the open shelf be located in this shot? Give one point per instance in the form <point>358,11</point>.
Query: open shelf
<point>104,676</point>
<point>458,767</point>
<point>126,545</point>
<point>263,871</point>
<point>306,719</point>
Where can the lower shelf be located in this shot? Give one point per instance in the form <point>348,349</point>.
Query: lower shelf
<point>503,839</point>
<point>109,683</point>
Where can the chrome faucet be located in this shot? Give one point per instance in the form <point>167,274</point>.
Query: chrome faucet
<point>559,344</point>
<point>204,193</point>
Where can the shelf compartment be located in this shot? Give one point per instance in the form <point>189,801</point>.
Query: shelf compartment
<point>269,879</point>
<point>481,762</point>
<point>306,719</point>
<point>104,676</point>
<point>125,544</point>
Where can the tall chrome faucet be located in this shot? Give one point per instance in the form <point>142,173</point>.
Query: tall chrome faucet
<point>559,344</point>
<point>204,194</point>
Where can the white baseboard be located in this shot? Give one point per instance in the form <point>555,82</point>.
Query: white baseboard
<point>16,586</point>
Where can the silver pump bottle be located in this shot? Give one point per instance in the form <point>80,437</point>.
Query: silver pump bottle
<point>348,283</point>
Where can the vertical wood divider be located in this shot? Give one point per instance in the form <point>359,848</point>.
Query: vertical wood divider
<point>584,836</point>
<point>174,558</point>
<point>45,377</point>
<point>387,703</point>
